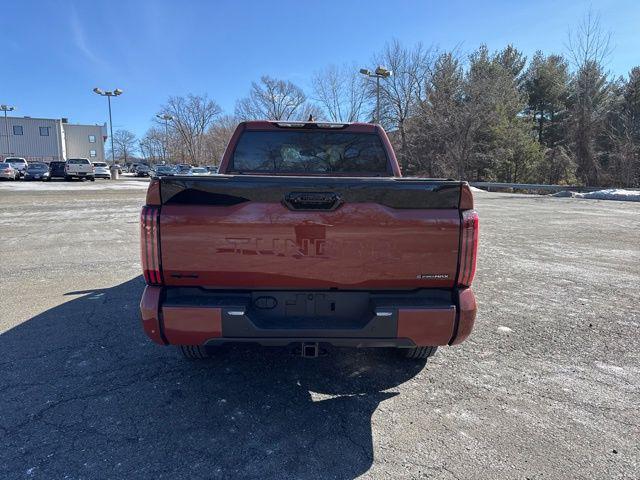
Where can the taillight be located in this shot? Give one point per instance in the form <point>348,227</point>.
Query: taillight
<point>469,248</point>
<point>150,245</point>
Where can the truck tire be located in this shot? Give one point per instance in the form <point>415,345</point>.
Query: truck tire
<point>194,352</point>
<point>67,178</point>
<point>420,352</point>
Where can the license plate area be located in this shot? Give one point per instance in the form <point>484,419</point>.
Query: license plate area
<point>310,309</point>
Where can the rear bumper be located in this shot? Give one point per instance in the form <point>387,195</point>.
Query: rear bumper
<point>80,175</point>
<point>191,316</point>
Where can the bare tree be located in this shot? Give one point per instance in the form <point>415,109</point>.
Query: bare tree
<point>124,142</point>
<point>192,116</point>
<point>152,145</point>
<point>341,92</point>
<point>590,99</point>
<point>401,92</point>
<point>218,137</point>
<point>589,42</point>
<point>272,99</point>
<point>437,133</point>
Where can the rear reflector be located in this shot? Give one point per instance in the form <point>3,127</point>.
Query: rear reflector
<point>469,248</point>
<point>150,245</point>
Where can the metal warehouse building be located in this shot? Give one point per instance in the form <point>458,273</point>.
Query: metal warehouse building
<point>48,139</point>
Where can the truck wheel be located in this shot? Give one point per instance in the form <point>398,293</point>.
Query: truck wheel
<point>67,178</point>
<point>194,352</point>
<point>93,179</point>
<point>420,352</point>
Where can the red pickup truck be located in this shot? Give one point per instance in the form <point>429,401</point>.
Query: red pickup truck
<point>309,235</point>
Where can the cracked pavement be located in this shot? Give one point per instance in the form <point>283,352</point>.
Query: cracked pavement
<point>547,386</point>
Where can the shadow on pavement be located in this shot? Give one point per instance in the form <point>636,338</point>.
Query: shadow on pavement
<point>85,395</point>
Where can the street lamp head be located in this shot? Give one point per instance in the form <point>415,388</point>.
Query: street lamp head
<point>383,72</point>
<point>364,71</point>
<point>117,92</point>
<point>7,108</point>
<point>164,116</point>
<point>98,91</point>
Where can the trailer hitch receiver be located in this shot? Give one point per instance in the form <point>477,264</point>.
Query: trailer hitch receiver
<point>310,349</point>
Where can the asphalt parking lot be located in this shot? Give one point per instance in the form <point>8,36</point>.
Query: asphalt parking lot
<point>548,385</point>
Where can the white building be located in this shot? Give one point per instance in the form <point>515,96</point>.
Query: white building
<point>48,139</point>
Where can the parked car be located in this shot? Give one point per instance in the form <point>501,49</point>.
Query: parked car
<point>78,168</point>
<point>7,171</point>
<point>161,170</point>
<point>183,169</point>
<point>198,171</point>
<point>18,163</point>
<point>321,242</point>
<point>56,170</point>
<point>142,170</point>
<point>101,170</point>
<point>37,171</point>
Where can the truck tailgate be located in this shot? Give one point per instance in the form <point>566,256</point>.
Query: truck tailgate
<point>259,232</point>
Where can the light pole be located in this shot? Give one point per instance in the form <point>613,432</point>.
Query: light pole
<point>378,73</point>
<point>110,94</point>
<point>166,117</point>
<point>5,109</point>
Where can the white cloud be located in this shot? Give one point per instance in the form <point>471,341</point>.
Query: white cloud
<point>80,39</point>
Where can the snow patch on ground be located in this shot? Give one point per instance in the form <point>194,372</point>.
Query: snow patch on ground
<point>73,186</point>
<point>608,194</point>
<point>613,369</point>
<point>503,329</point>
<point>477,190</point>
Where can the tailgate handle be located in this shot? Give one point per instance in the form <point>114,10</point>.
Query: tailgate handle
<point>312,200</point>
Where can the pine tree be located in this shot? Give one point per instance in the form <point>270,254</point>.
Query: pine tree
<point>546,84</point>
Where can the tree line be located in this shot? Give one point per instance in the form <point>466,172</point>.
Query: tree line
<point>485,115</point>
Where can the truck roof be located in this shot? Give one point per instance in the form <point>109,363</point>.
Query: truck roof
<point>279,124</point>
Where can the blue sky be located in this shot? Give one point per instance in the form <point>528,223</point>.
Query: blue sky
<point>55,52</point>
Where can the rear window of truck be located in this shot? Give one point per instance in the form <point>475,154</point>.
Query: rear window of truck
<point>310,152</point>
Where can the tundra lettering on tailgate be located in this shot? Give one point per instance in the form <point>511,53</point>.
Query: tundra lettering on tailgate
<point>305,247</point>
